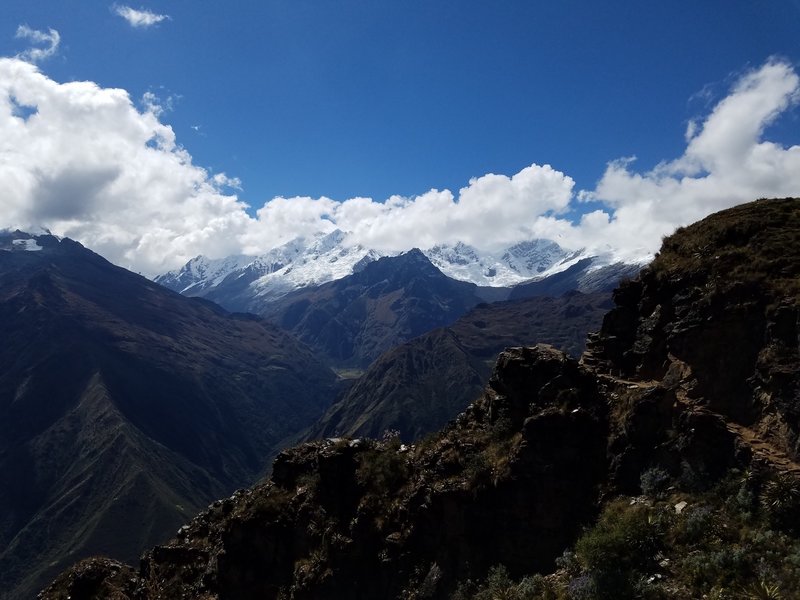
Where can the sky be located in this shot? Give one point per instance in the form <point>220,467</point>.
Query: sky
<point>156,132</point>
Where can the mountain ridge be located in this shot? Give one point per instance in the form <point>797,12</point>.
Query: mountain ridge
<point>248,283</point>
<point>353,320</point>
<point>418,386</point>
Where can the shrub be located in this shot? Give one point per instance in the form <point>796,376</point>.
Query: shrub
<point>583,587</point>
<point>762,591</point>
<point>382,470</point>
<point>699,524</point>
<point>654,482</point>
<point>622,545</point>
<point>780,499</point>
<point>500,586</point>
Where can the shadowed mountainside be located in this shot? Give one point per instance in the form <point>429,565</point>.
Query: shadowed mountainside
<point>353,320</point>
<point>420,385</point>
<point>124,408</point>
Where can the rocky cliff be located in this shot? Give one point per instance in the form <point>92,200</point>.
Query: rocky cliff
<point>689,391</point>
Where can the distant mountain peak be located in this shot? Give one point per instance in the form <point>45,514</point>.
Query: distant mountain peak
<point>34,240</point>
<point>247,283</point>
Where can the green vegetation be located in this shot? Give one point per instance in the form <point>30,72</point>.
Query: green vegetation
<point>738,540</point>
<point>500,586</point>
<point>384,468</point>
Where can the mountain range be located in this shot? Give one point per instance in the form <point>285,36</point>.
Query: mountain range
<point>417,387</point>
<point>250,283</point>
<point>125,407</point>
<point>118,396</point>
<point>352,304</point>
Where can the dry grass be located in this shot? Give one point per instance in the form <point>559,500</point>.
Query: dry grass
<point>755,245</point>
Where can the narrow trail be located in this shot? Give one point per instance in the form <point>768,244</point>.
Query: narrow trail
<point>762,449</point>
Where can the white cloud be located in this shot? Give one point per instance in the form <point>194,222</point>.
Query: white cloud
<point>156,105</point>
<point>726,162</point>
<point>138,18</point>
<point>49,40</point>
<point>86,163</point>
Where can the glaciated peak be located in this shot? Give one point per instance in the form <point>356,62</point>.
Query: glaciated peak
<point>29,244</point>
<point>33,240</point>
<point>530,247</point>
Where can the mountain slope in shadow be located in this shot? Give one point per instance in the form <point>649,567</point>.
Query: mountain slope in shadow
<point>125,407</point>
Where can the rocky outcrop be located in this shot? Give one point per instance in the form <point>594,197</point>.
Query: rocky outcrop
<point>693,372</point>
<point>715,319</point>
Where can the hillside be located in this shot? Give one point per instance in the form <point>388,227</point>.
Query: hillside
<point>584,275</point>
<point>124,408</point>
<point>419,386</point>
<point>353,320</point>
<point>662,465</point>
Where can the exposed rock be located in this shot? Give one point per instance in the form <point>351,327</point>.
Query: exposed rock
<point>519,472</point>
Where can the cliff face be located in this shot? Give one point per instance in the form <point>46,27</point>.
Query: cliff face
<point>715,321</point>
<point>695,371</point>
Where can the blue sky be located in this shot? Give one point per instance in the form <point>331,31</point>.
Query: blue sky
<point>372,99</point>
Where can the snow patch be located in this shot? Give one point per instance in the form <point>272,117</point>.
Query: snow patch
<point>30,245</point>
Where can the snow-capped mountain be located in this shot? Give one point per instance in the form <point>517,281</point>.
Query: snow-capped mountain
<point>522,262</point>
<point>202,273</point>
<point>325,258</point>
<point>26,241</point>
<point>248,283</point>
<point>299,263</point>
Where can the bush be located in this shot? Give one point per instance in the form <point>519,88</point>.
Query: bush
<point>500,586</point>
<point>698,524</point>
<point>622,545</point>
<point>780,499</point>
<point>654,482</point>
<point>383,470</point>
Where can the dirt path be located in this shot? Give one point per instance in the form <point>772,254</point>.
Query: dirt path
<point>762,449</point>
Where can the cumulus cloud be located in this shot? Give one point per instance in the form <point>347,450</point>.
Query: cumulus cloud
<point>726,162</point>
<point>492,212</point>
<point>50,41</point>
<point>141,18</point>
<point>86,163</point>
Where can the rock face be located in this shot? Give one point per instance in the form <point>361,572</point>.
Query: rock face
<point>125,408</point>
<point>694,371</point>
<point>715,320</point>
